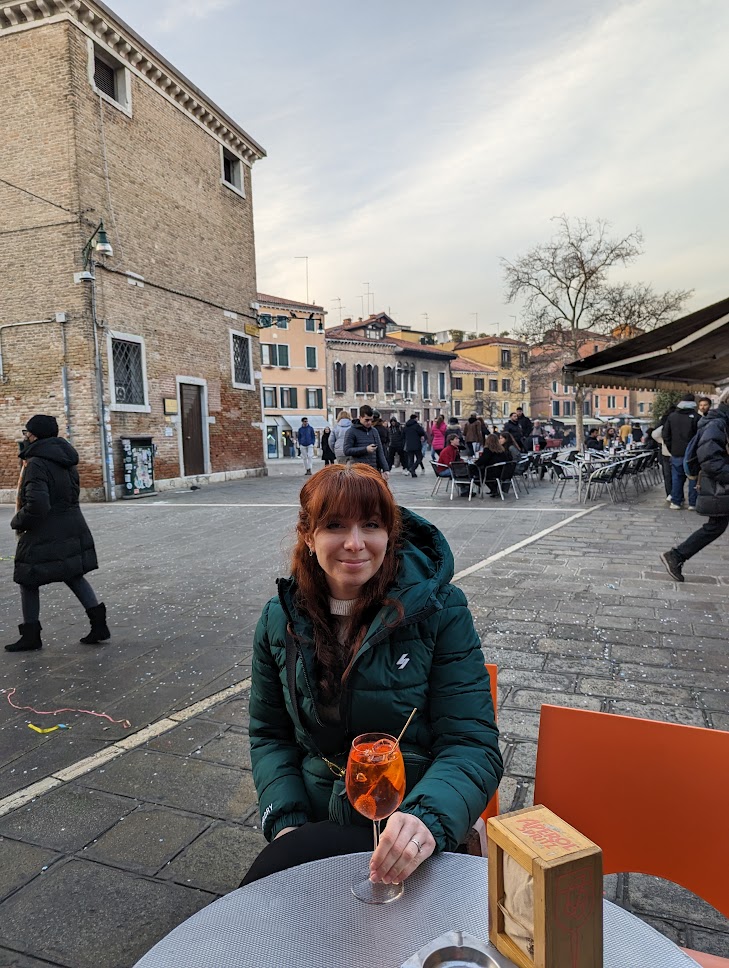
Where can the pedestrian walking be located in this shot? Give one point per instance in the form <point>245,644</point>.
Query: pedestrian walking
<point>363,445</point>
<point>665,453</point>
<point>438,436</point>
<point>327,454</point>
<point>54,541</point>
<point>344,422</point>
<point>397,445</point>
<point>525,424</point>
<point>382,429</point>
<point>455,428</point>
<point>306,438</point>
<point>713,487</point>
<point>473,435</point>
<point>371,611</point>
<point>414,436</point>
<point>679,428</point>
<point>512,427</point>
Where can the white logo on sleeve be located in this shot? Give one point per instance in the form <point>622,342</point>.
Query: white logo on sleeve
<point>403,660</point>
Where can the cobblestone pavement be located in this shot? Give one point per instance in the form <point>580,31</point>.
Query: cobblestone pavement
<point>110,858</point>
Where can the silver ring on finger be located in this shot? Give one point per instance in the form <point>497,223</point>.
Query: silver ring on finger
<point>417,844</point>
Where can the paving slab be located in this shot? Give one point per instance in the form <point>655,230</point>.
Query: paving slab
<point>146,840</point>
<point>218,860</point>
<point>182,783</point>
<point>115,916</point>
<point>20,864</point>
<point>65,819</point>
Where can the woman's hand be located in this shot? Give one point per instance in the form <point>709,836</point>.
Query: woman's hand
<point>286,830</point>
<point>397,854</point>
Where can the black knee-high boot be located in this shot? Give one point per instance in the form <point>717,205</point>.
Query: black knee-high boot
<point>99,629</point>
<point>29,638</point>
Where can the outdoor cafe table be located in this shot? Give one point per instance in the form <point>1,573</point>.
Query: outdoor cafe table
<point>307,917</point>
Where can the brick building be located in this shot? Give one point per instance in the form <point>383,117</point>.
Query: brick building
<point>159,338</point>
<point>294,370</point>
<point>366,364</point>
<point>551,397</point>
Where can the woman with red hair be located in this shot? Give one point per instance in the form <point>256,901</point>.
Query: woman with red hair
<point>367,627</point>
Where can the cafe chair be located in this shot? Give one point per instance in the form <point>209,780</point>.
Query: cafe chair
<point>438,468</point>
<point>615,778</point>
<point>462,477</point>
<point>477,841</point>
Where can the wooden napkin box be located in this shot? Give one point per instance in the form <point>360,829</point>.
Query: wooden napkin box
<point>545,891</point>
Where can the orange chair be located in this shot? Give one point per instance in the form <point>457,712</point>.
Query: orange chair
<point>492,808</point>
<point>625,783</point>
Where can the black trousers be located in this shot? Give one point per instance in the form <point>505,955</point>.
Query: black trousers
<point>312,841</point>
<point>667,474</point>
<point>713,529</point>
<point>391,457</point>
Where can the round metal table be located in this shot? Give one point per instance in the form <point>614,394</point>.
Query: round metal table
<point>307,917</point>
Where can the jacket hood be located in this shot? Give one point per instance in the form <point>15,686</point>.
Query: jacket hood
<point>716,413</point>
<point>411,421</point>
<point>56,449</point>
<point>686,405</point>
<point>426,565</point>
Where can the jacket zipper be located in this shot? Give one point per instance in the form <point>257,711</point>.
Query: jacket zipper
<point>345,714</point>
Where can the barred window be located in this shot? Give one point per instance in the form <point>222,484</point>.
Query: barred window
<point>241,359</point>
<point>241,362</point>
<point>128,375</point>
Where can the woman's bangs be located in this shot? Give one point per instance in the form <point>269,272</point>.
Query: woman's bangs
<point>348,494</point>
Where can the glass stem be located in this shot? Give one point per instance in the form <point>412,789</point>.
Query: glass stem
<point>376,831</point>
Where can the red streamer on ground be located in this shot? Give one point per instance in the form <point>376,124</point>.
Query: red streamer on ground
<point>54,712</point>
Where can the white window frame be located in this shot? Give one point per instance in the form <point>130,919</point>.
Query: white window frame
<point>236,385</point>
<point>270,406</point>
<point>278,347</point>
<point>316,357</point>
<point>315,391</point>
<point>506,408</point>
<point>611,406</point>
<point>231,186</point>
<point>310,324</point>
<point>127,407</point>
<point>122,77</point>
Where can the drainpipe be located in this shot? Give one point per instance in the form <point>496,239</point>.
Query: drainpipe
<point>107,464</point>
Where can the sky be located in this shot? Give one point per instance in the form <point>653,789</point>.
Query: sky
<point>411,144</point>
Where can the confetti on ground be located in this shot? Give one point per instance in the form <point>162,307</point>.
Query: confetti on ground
<point>55,712</point>
<point>50,729</point>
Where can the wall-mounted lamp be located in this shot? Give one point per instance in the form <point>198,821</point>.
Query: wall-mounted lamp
<point>98,243</point>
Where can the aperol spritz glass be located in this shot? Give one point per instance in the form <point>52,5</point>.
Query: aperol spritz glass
<point>375,784</point>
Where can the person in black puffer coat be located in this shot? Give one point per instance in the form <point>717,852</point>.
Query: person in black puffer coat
<point>397,444</point>
<point>712,487</point>
<point>54,541</point>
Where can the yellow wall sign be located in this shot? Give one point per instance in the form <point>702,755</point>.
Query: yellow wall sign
<point>251,329</point>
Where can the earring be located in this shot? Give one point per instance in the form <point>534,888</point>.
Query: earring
<point>311,553</point>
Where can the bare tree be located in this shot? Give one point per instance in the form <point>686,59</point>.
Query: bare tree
<point>564,287</point>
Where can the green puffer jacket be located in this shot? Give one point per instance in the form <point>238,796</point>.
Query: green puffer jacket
<point>432,659</point>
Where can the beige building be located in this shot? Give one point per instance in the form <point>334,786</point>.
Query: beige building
<point>397,376</point>
<point>474,389</point>
<point>157,338</point>
<point>508,388</point>
<point>294,371</point>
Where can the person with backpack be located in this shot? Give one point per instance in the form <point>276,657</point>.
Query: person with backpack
<point>678,429</point>
<point>709,458</point>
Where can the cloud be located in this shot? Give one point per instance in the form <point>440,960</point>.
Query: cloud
<point>176,13</point>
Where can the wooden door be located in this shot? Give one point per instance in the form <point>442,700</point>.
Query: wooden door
<point>193,452</point>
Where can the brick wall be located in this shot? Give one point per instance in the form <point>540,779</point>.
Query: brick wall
<point>155,179</point>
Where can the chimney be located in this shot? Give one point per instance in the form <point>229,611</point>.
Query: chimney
<point>347,322</point>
